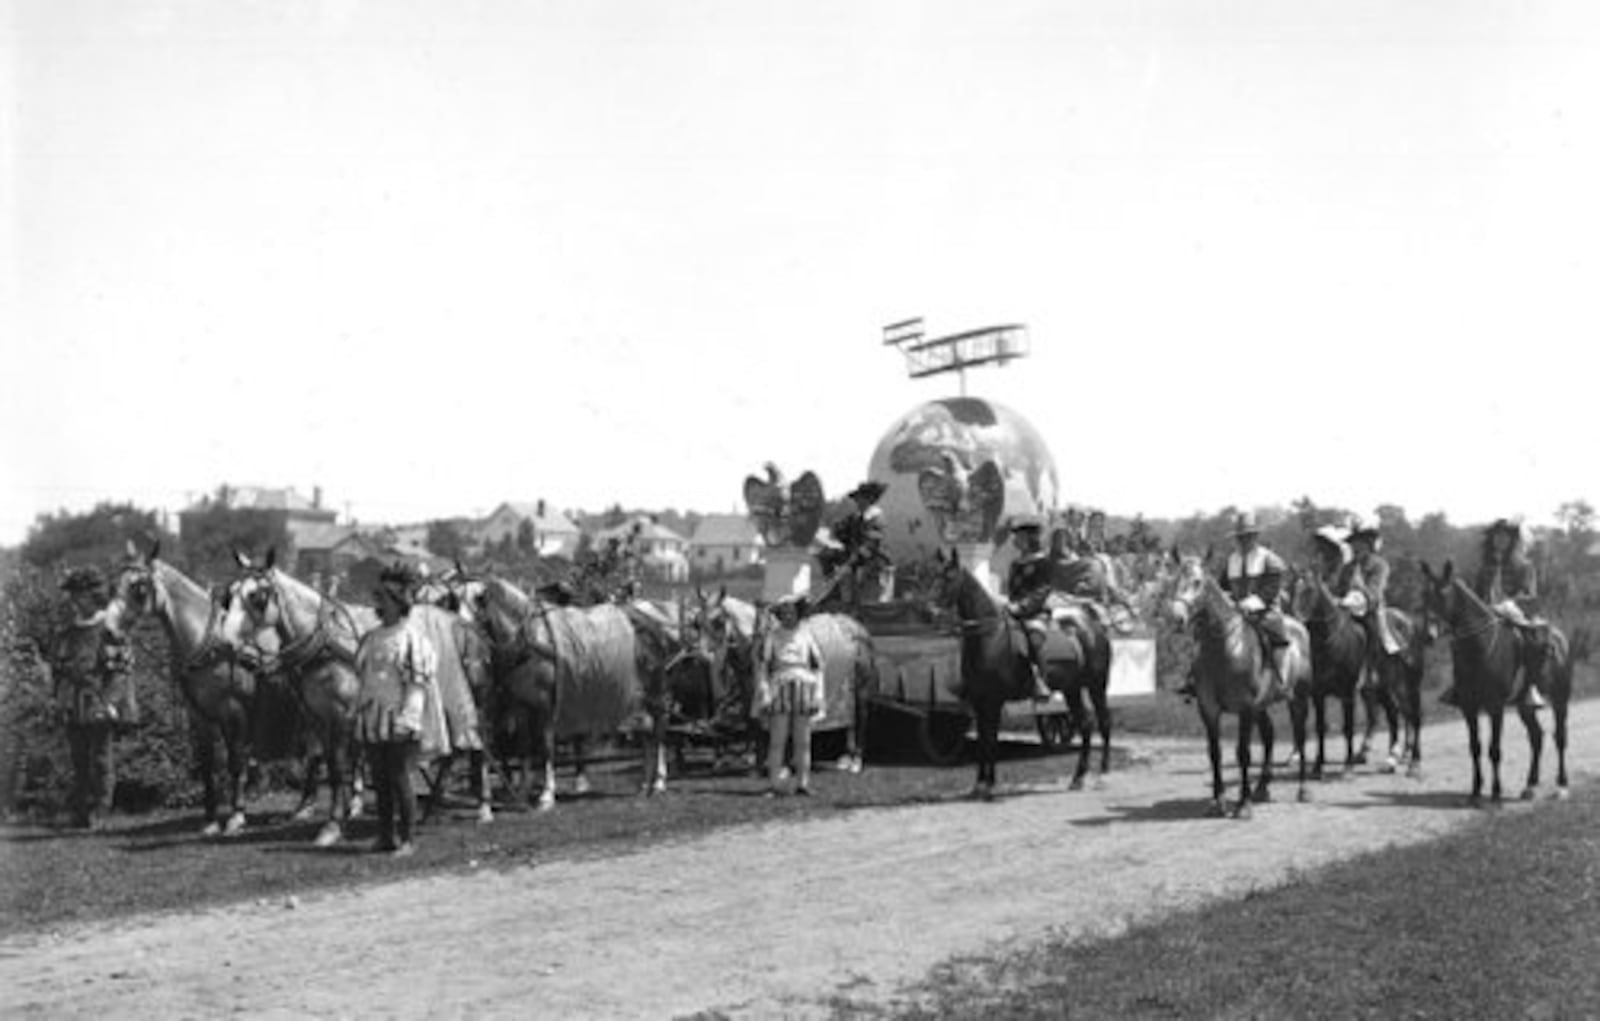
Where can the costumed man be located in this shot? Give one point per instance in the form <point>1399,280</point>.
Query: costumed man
<point>1508,583</point>
<point>1253,578</point>
<point>790,692</point>
<point>89,668</point>
<point>859,535</point>
<point>1361,589</point>
<point>1029,584</point>
<point>397,664</point>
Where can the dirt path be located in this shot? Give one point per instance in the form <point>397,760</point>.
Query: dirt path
<point>759,921</point>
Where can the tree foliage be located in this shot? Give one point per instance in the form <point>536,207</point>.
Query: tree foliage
<point>97,536</point>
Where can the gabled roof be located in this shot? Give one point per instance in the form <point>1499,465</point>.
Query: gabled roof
<point>550,521</point>
<point>726,530</point>
<point>267,498</point>
<point>647,530</point>
<point>319,535</point>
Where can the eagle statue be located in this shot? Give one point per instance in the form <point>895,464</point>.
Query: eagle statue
<point>786,514</point>
<point>966,503</point>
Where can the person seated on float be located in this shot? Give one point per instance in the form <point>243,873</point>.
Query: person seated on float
<point>1029,584</point>
<point>1361,588</point>
<point>859,539</point>
<point>1253,579</point>
<point>1089,579</point>
<point>1508,583</point>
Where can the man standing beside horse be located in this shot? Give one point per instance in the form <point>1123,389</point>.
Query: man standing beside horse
<point>89,669</point>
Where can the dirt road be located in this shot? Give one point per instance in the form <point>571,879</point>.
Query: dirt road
<point>759,921</point>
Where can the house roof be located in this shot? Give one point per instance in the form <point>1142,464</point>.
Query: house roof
<point>647,530</point>
<point>550,521</point>
<point>267,498</point>
<point>725,530</point>
<point>319,535</point>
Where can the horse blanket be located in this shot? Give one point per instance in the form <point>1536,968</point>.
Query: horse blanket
<point>461,680</point>
<point>846,646</point>
<point>597,675</point>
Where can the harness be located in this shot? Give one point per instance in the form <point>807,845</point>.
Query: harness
<point>300,653</point>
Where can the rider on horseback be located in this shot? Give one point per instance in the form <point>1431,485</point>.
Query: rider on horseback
<point>1029,585</point>
<point>1253,578</point>
<point>1508,583</point>
<point>1360,588</point>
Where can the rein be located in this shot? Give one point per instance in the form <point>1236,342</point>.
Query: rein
<point>298,654</point>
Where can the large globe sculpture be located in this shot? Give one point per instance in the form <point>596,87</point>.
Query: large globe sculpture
<point>954,439</point>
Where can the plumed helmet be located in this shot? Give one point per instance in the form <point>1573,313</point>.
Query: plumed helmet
<point>399,581</point>
<point>870,491</point>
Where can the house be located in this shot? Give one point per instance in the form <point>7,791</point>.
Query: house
<point>725,542</point>
<point>306,522</point>
<point>663,551</point>
<point>554,534</point>
<point>329,550</point>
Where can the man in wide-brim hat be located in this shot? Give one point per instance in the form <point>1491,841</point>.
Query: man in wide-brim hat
<point>1253,577</point>
<point>1363,590</point>
<point>1029,584</point>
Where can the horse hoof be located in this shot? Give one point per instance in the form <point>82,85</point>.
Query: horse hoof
<point>1303,796</point>
<point>234,825</point>
<point>1359,760</point>
<point>1262,797</point>
<point>545,802</point>
<point>305,812</point>
<point>1529,793</point>
<point>485,814</point>
<point>211,829</point>
<point>1219,809</point>
<point>1389,765</point>
<point>855,764</point>
<point>1562,793</point>
<point>1414,771</point>
<point>581,785</point>
<point>1076,784</point>
<point>356,806</point>
<point>327,836</point>
<point>1242,811</point>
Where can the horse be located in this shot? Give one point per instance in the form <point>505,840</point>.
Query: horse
<point>996,668</point>
<point>1397,690</point>
<point>1486,653</point>
<point>1233,674</point>
<point>734,629</point>
<point>577,672</point>
<point>221,693</point>
<point>1338,647</point>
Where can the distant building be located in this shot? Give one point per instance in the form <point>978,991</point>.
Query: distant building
<point>725,542</point>
<point>554,534</point>
<point>663,551</point>
<point>306,522</point>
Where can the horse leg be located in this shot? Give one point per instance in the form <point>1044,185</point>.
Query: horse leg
<point>1475,749</point>
<point>1369,720</point>
<point>311,775</point>
<point>1559,708</point>
<point>234,749</point>
<point>1085,727</point>
<point>338,752</point>
<point>1102,716</point>
<point>1263,791</point>
<point>1413,712</point>
<point>1219,805</point>
<point>1347,704</point>
<point>580,778</point>
<point>1497,722</point>
<point>205,756</point>
<point>1297,724</point>
<point>436,782</point>
<point>545,753</point>
<point>483,786</point>
<point>1530,723</point>
<point>1322,734</point>
<point>1241,809</point>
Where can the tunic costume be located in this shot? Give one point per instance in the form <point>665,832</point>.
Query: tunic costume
<point>89,666</point>
<point>397,664</point>
<point>793,695</point>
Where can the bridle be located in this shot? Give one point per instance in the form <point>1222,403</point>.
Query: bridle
<point>297,651</point>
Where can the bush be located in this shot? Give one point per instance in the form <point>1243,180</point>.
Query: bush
<point>154,761</point>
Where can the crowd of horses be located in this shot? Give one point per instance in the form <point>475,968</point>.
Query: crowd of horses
<point>517,663</point>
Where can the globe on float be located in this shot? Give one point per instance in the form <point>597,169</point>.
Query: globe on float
<point>954,438</point>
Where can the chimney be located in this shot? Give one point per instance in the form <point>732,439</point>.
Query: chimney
<point>316,497</point>
<point>538,509</point>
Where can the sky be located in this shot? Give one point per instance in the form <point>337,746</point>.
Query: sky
<point>430,257</point>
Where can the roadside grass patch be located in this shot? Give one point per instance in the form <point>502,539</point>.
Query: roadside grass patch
<point>1499,920</point>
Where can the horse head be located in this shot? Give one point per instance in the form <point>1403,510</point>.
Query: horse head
<point>1440,599</point>
<point>1187,585</point>
<point>134,592</point>
<point>952,587</point>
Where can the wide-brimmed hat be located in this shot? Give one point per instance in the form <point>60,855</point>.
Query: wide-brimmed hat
<point>869,491</point>
<point>1505,525</point>
<point>1333,535</point>
<point>83,579</point>
<point>1246,524</point>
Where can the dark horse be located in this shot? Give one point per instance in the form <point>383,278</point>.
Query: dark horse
<point>1338,655</point>
<point>1398,692</point>
<point>1233,674</point>
<point>1486,653</point>
<point>996,668</point>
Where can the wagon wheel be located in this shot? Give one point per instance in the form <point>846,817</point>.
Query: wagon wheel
<point>942,737</point>
<point>1055,731</point>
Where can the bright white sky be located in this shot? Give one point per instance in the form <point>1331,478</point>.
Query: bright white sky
<point>432,256</point>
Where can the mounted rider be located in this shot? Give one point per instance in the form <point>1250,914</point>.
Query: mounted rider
<point>1253,577</point>
<point>1361,588</point>
<point>1508,583</point>
<point>1029,585</point>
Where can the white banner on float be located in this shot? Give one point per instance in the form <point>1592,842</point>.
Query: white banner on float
<point>1133,667</point>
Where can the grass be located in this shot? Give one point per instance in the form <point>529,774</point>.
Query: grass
<point>1502,920</point>
<point>159,862</point>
